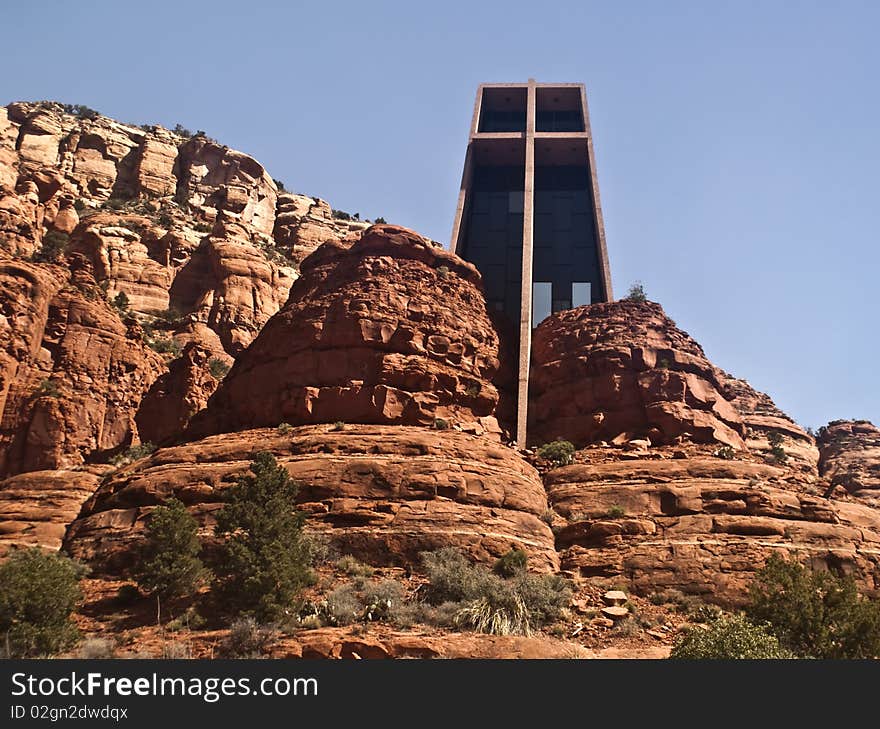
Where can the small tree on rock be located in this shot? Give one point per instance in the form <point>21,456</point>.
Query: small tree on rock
<point>636,293</point>
<point>265,560</point>
<point>170,565</point>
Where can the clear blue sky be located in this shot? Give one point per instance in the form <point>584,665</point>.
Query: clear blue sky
<point>737,142</point>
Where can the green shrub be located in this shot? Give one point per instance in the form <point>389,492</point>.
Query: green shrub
<point>133,453</point>
<point>337,426</point>
<point>341,215</point>
<point>353,568</point>
<point>279,184</point>
<point>248,639</point>
<point>815,613</point>
<point>615,512</point>
<point>38,593</point>
<point>190,620</point>
<point>381,221</point>
<point>52,248</point>
<point>169,564</point>
<point>120,302</point>
<point>217,367</point>
<point>559,452</point>
<point>725,452</point>
<point>81,111</point>
<point>265,560</point>
<point>730,637</point>
<point>182,131</point>
<point>777,450</point>
<point>511,563</point>
<point>441,424</point>
<point>165,345</point>
<point>48,388</point>
<point>488,602</point>
<point>636,293</point>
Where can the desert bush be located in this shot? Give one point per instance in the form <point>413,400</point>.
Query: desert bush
<point>337,426</point>
<point>174,650</point>
<point>615,512</point>
<point>636,293</point>
<point>170,565</point>
<point>815,613</point>
<point>497,617</point>
<point>283,428</point>
<point>559,452</point>
<point>725,452</point>
<point>248,639</point>
<point>97,649</point>
<point>265,561</point>
<point>279,184</point>
<point>441,424</point>
<point>133,453</point>
<point>165,345</point>
<point>381,598</point>
<point>729,637</point>
<point>489,602</point>
<point>189,620</point>
<point>52,248</point>
<point>380,221</point>
<point>343,606</point>
<point>217,367</point>
<point>511,563</point>
<point>353,568</point>
<point>341,215</point>
<point>38,593</point>
<point>48,388</point>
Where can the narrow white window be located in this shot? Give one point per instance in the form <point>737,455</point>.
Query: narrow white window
<point>580,294</point>
<point>542,294</point>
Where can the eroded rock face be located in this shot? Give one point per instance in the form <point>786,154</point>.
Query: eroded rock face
<point>762,418</point>
<point>303,223</point>
<point>850,457</point>
<point>390,330</point>
<point>624,370</point>
<point>229,285</point>
<point>35,508</point>
<point>381,493</point>
<point>72,373</point>
<point>704,525</point>
<point>180,393</point>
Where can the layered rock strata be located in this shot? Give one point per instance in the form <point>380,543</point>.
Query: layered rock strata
<point>381,493</point>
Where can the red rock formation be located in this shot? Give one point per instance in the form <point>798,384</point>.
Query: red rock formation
<point>624,370</point>
<point>304,223</point>
<point>761,417</point>
<point>390,330</point>
<point>703,524</point>
<point>178,394</point>
<point>850,457</point>
<point>35,508</point>
<point>382,493</point>
<point>72,374</point>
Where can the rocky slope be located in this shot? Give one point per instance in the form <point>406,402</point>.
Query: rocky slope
<point>850,458</point>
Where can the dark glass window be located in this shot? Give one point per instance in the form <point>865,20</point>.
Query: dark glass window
<point>559,121</point>
<point>502,121</point>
